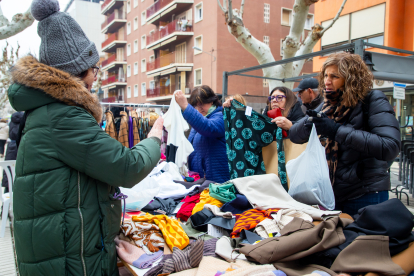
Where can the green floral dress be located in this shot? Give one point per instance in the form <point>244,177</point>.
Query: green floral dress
<point>245,138</point>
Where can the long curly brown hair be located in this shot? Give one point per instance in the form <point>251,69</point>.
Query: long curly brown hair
<point>358,78</point>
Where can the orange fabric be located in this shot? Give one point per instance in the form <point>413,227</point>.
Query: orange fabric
<point>250,219</point>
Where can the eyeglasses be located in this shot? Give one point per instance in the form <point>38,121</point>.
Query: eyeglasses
<point>95,70</point>
<point>278,98</point>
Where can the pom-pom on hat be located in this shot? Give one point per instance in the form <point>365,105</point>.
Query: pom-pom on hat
<point>64,45</point>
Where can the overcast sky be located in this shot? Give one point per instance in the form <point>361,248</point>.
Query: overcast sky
<point>28,39</point>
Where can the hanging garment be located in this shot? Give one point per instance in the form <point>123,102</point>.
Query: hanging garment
<point>123,129</point>
<point>245,138</point>
<point>172,232</point>
<point>130,132</point>
<point>178,147</point>
<point>110,125</point>
<point>134,117</point>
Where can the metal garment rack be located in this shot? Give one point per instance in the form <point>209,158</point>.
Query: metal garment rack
<point>136,105</point>
<point>357,47</point>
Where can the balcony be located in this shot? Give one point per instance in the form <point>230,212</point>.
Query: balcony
<point>112,23</point>
<point>112,43</point>
<point>113,62</point>
<point>172,32</point>
<point>161,93</point>
<point>162,9</point>
<point>168,64</point>
<point>108,6</point>
<point>113,81</point>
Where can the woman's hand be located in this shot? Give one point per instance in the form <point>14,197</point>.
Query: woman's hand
<point>181,99</point>
<point>282,122</point>
<point>156,130</point>
<point>227,103</point>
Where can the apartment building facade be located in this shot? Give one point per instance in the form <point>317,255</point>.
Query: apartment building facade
<point>160,36</point>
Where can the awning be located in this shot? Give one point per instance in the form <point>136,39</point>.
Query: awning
<point>391,67</point>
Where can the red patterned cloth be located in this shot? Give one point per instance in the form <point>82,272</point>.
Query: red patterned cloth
<point>189,202</point>
<point>250,219</point>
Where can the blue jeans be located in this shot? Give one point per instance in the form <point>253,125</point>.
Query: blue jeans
<point>352,206</point>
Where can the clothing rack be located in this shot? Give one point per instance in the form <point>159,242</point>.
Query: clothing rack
<point>136,105</point>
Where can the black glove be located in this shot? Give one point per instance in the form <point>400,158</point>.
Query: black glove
<point>326,127</point>
<point>313,114</point>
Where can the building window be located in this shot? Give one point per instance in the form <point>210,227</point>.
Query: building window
<point>128,49</point>
<point>265,83</point>
<point>129,28</point>
<point>128,6</point>
<point>143,65</point>
<point>135,23</point>
<point>143,42</point>
<point>152,85</point>
<point>143,89</point>
<point>286,17</point>
<point>135,68</point>
<point>199,44</point>
<point>199,12</point>
<point>136,46</point>
<point>266,40</point>
<point>129,92</point>
<point>129,71</point>
<point>135,3</point>
<point>143,17</point>
<point>266,13</point>
<point>198,77</point>
<point>309,22</point>
<point>152,58</point>
<point>136,90</point>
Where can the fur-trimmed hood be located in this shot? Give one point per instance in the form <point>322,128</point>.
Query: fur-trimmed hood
<point>55,83</point>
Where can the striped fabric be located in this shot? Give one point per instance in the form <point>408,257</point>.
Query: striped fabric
<point>250,219</point>
<point>185,259</point>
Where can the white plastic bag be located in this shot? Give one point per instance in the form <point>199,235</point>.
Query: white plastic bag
<point>309,175</point>
<point>141,194</point>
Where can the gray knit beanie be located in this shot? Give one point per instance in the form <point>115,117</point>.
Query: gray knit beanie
<point>64,44</point>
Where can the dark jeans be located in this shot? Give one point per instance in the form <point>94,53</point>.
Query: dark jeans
<point>352,206</point>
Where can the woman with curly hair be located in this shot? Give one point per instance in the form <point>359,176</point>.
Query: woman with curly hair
<point>361,130</point>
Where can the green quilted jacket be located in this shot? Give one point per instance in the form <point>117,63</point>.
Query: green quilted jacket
<point>67,172</point>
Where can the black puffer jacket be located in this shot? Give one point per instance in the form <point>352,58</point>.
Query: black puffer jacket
<point>369,139</point>
<point>11,152</point>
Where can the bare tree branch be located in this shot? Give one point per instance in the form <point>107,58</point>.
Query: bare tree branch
<point>242,9</point>
<point>221,7</point>
<point>335,18</point>
<point>19,23</point>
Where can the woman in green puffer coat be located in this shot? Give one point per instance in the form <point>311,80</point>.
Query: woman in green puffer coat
<point>66,209</point>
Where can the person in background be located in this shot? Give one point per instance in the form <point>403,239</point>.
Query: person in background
<point>204,113</point>
<point>66,197</point>
<point>361,129</point>
<point>284,99</point>
<point>4,135</point>
<point>236,97</point>
<point>11,153</point>
<point>309,94</point>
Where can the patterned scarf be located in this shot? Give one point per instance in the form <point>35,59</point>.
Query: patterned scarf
<point>334,108</point>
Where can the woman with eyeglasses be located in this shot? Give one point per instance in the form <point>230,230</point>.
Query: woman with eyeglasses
<point>284,99</point>
<point>204,113</point>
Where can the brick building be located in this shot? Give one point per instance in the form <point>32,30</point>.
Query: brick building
<point>153,54</point>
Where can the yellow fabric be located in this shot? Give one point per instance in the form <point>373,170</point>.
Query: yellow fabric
<point>172,231</point>
<point>205,198</point>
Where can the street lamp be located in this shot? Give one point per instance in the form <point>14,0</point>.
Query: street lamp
<point>198,49</point>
